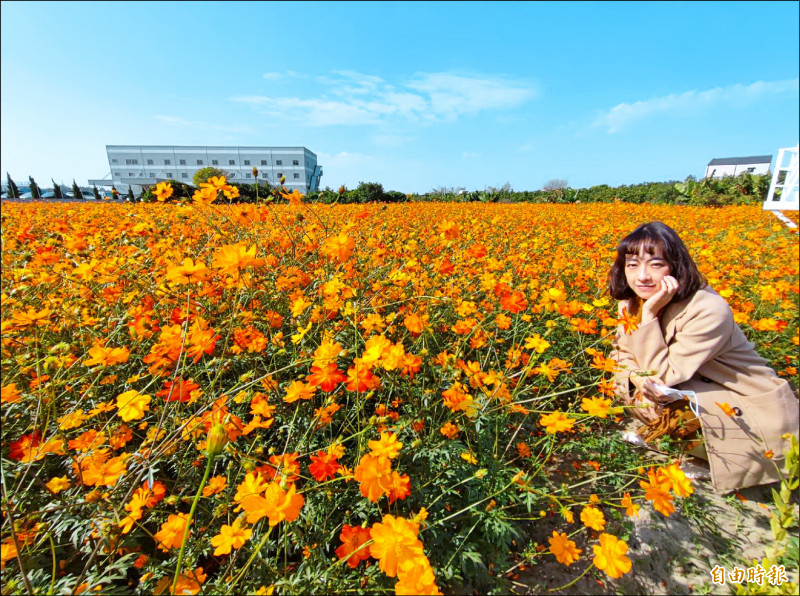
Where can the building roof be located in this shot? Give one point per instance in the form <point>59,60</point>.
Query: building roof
<point>737,161</point>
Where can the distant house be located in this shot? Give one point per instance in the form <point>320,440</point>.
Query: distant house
<point>733,166</point>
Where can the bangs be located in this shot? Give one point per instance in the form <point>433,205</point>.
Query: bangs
<point>636,243</point>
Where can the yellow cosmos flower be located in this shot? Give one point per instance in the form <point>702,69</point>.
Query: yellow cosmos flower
<point>230,537</point>
<point>58,484</point>
<point>394,542</point>
<point>593,518</point>
<point>557,422</point>
<point>596,406</point>
<point>132,405</point>
<point>609,556</point>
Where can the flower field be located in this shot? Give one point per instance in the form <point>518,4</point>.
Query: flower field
<point>212,398</point>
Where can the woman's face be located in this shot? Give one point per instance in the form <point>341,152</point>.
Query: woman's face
<point>644,273</point>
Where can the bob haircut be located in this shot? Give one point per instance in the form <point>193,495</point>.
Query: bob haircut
<point>656,238</point>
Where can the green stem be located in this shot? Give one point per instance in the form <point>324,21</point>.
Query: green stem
<point>209,461</point>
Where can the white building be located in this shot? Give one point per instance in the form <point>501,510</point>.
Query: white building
<point>733,166</point>
<point>140,166</point>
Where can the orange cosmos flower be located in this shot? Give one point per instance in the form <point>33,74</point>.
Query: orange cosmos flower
<point>294,197</point>
<point>394,542</point>
<point>178,390</point>
<point>514,302</point>
<point>726,407</point>
<point>360,378</point>
<point>449,430</point>
<point>557,422</point>
<point>56,485</point>
<point>416,577</point>
<point>230,537</point>
<point>163,191</point>
<point>326,377</point>
<point>101,355</point>
<point>188,583</point>
<point>399,487</point>
<point>374,474</point>
<point>216,484</point>
<point>563,548</point>
<point>631,508</point>
<point>10,394</point>
<point>387,446</point>
<point>523,449</point>
<point>609,556</point>
<point>323,466</point>
<point>299,390</point>
<point>338,247</point>
<point>276,504</point>
<point>353,540</point>
<point>232,258</point>
<point>657,491</point>
<point>170,535</point>
<point>680,484</point>
<point>593,518</point>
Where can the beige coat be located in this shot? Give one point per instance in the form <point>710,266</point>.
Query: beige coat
<point>696,345</point>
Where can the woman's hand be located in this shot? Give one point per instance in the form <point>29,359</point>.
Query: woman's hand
<point>656,302</point>
<point>650,391</point>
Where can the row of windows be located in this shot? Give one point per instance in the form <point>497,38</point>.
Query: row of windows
<point>185,175</point>
<point>214,162</point>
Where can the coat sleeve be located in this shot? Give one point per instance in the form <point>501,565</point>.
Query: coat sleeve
<point>704,334</point>
<point>626,364</point>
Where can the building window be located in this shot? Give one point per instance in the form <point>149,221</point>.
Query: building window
<point>263,162</point>
<point>113,161</point>
<point>231,162</point>
<point>263,174</point>
<point>169,174</point>
<point>247,176</point>
<point>131,162</point>
<point>751,170</point>
<point>247,162</point>
<point>183,162</point>
<point>295,162</point>
<point>130,174</point>
<point>296,176</point>
<point>199,162</point>
<point>167,162</point>
<point>149,162</point>
<point>232,175</point>
<point>280,175</point>
<point>184,175</point>
<point>278,162</point>
<point>214,162</point>
<point>152,174</point>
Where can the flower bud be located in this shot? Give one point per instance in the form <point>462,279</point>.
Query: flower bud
<point>216,440</point>
<point>255,172</point>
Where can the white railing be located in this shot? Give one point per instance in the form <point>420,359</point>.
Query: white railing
<point>784,179</point>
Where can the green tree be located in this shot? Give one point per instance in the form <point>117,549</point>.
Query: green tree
<point>202,175</point>
<point>36,192</point>
<point>76,190</point>
<point>369,192</point>
<point>57,194</point>
<point>130,196</point>
<point>96,193</point>
<point>13,191</point>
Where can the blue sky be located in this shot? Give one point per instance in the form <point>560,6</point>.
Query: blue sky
<point>414,95</point>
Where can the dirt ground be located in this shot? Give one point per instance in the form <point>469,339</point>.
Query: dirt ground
<point>673,555</point>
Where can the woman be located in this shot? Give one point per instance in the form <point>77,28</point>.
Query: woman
<point>678,333</point>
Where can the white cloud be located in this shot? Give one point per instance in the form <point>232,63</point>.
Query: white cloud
<point>367,99</point>
<point>623,115</point>
<point>178,121</point>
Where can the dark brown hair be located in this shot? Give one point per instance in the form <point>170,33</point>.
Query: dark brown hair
<point>656,238</point>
